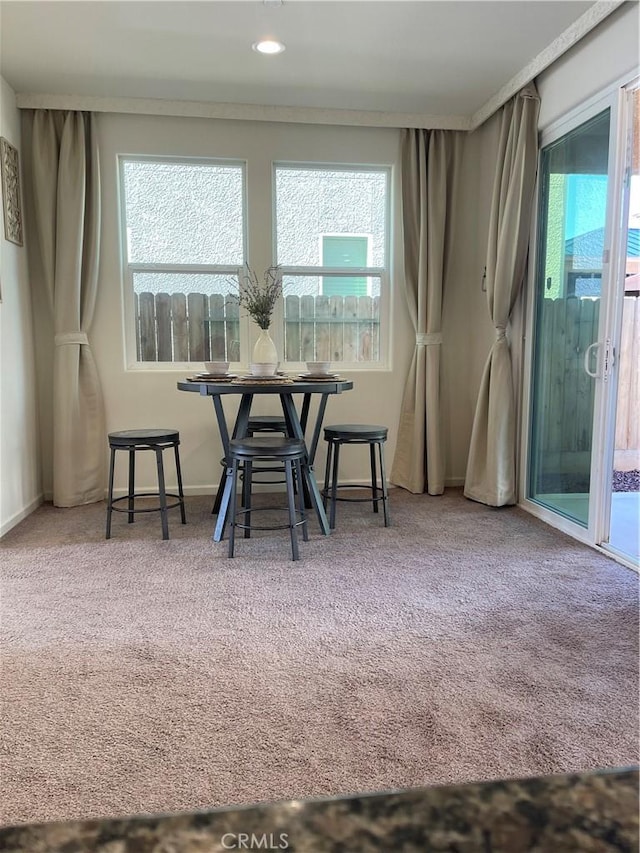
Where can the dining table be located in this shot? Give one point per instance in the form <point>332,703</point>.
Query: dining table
<point>296,394</point>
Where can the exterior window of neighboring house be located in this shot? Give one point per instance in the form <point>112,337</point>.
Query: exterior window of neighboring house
<point>342,250</point>
<point>184,236</point>
<point>332,244</point>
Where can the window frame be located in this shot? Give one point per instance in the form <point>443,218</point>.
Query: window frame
<point>383,273</point>
<point>129,269</point>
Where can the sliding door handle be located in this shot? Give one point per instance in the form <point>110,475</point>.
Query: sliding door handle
<point>587,360</point>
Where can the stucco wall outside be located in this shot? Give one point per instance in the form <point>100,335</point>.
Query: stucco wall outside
<point>192,213</point>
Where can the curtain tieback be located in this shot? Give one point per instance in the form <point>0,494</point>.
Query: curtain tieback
<point>501,333</point>
<point>71,338</point>
<point>428,339</point>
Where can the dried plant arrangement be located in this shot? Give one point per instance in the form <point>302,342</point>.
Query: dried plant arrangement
<point>259,298</point>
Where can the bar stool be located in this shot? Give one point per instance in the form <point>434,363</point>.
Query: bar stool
<point>288,452</point>
<point>133,440</point>
<point>257,423</point>
<point>262,424</point>
<point>336,436</point>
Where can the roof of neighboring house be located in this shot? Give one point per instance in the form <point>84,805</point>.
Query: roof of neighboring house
<point>633,243</point>
<point>586,249</point>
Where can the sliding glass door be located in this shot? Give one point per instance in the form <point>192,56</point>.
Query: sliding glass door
<point>567,360</point>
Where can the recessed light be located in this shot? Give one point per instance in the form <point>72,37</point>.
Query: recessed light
<point>268,46</point>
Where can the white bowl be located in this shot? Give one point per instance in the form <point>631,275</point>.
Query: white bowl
<point>218,368</point>
<point>262,368</point>
<point>317,368</point>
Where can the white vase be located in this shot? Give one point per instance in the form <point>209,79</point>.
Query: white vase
<point>264,351</point>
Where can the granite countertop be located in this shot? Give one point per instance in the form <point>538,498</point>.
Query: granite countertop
<point>594,812</point>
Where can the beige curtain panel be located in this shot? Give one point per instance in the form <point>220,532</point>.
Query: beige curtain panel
<point>491,467</point>
<point>429,167</point>
<point>66,204</point>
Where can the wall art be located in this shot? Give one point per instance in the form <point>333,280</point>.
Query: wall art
<point>10,168</point>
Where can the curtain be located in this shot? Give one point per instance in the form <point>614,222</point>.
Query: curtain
<point>66,204</point>
<point>428,165</point>
<point>491,467</point>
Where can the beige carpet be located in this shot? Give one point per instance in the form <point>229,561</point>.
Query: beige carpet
<point>463,643</point>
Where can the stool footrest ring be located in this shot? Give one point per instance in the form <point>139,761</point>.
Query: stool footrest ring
<point>270,526</point>
<point>326,493</point>
<point>144,495</point>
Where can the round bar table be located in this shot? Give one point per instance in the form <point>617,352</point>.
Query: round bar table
<point>296,424</point>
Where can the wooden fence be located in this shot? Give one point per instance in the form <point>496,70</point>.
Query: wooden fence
<point>187,327</point>
<point>332,328</point>
<point>197,327</point>
<point>566,392</point>
<point>627,441</point>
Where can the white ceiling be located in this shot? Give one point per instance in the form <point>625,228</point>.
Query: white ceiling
<point>437,58</point>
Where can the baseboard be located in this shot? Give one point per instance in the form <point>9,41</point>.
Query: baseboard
<point>453,482</point>
<point>21,515</point>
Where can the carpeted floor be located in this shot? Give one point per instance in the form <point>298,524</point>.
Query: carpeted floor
<point>463,643</point>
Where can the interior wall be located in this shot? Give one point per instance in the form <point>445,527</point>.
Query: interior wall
<point>20,484</point>
<point>135,398</point>
<point>608,53</point>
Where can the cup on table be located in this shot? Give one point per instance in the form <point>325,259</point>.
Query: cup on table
<point>216,368</point>
<point>262,368</point>
<point>318,368</point>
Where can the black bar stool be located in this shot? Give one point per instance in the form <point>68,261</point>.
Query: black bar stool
<point>257,423</point>
<point>134,440</point>
<point>336,436</point>
<point>288,452</point>
<point>263,424</point>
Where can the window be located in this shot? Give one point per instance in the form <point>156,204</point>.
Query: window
<point>344,251</point>
<point>332,246</point>
<point>185,240</point>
